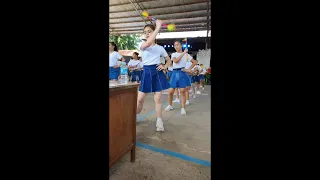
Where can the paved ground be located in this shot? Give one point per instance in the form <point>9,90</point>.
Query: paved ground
<point>187,135</point>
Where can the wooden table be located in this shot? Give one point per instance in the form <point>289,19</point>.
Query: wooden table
<point>122,121</point>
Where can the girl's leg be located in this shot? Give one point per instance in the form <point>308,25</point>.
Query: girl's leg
<point>187,95</point>
<point>193,90</point>
<point>183,100</point>
<point>158,107</point>
<point>176,92</point>
<point>183,97</point>
<point>197,88</point>
<point>140,101</point>
<point>170,97</point>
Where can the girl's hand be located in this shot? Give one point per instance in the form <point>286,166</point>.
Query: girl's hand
<point>160,67</point>
<point>187,70</point>
<point>186,50</point>
<point>158,23</point>
<point>116,66</point>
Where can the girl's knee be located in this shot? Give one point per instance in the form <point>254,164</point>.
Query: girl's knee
<point>157,98</point>
<point>141,98</point>
<point>171,91</point>
<point>140,101</point>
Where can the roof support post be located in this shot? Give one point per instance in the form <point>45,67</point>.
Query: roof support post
<point>208,14</point>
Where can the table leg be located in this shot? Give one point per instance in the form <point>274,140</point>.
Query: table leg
<point>133,154</point>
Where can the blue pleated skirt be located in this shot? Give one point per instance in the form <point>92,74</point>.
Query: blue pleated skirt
<point>169,73</point>
<point>179,79</point>
<point>135,76</point>
<point>114,73</point>
<point>195,79</point>
<point>190,79</point>
<point>201,77</point>
<point>153,80</point>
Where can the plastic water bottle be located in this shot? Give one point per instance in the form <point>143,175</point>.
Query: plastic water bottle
<point>124,74</point>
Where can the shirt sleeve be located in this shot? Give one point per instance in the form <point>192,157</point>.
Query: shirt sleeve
<point>140,65</point>
<point>119,56</point>
<point>130,63</point>
<point>173,55</point>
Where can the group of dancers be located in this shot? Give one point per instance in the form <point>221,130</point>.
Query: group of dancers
<point>180,74</point>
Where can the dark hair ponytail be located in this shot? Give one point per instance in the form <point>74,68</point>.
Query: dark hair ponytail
<point>136,54</point>
<point>115,46</point>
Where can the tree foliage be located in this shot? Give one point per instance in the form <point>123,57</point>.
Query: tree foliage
<point>125,42</point>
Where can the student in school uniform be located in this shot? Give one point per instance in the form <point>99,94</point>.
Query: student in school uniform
<point>153,79</point>
<point>115,59</point>
<point>135,67</point>
<point>189,65</point>
<point>179,79</point>
<point>176,91</point>
<point>196,79</point>
<point>201,76</point>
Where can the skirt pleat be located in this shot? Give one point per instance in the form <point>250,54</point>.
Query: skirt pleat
<point>153,80</point>
<point>179,79</point>
<point>114,73</point>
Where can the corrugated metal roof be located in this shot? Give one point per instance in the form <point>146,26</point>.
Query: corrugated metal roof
<point>188,15</point>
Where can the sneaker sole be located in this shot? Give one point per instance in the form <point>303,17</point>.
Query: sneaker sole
<point>160,130</point>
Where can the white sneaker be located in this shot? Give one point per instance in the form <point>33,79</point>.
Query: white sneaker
<point>168,108</point>
<point>187,102</point>
<point>190,91</point>
<point>198,92</point>
<point>183,111</point>
<point>194,96</point>
<point>159,125</point>
<point>176,101</point>
<point>202,88</point>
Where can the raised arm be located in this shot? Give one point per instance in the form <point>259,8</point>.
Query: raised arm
<point>152,37</point>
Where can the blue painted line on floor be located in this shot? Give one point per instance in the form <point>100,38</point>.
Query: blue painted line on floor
<point>174,154</point>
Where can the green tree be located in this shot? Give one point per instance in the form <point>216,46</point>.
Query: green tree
<point>125,42</point>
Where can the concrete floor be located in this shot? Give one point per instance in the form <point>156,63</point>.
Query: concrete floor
<point>188,135</point>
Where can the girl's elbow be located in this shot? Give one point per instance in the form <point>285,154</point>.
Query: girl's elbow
<point>145,45</point>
